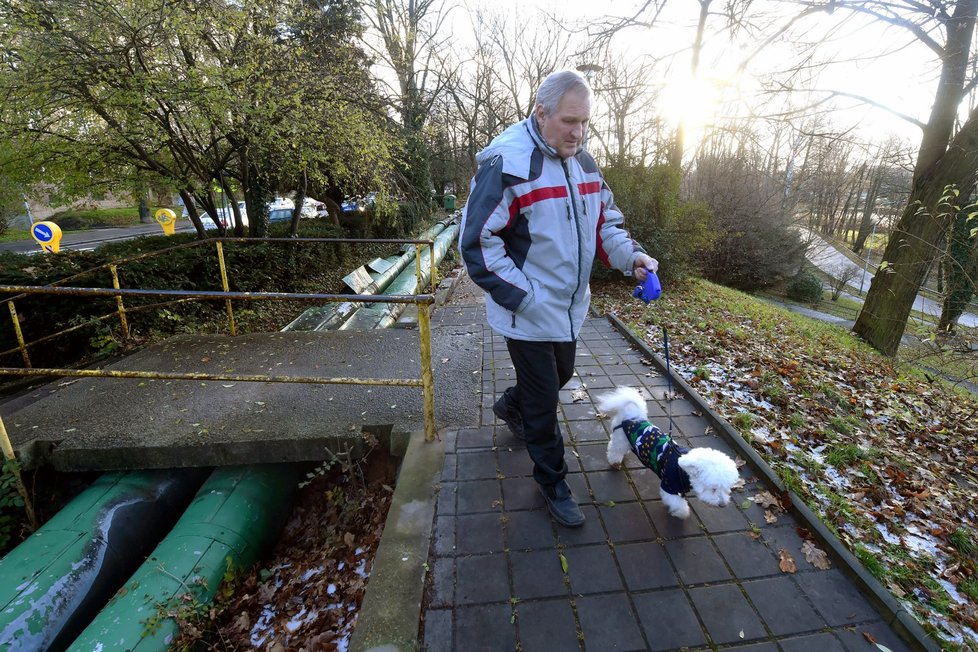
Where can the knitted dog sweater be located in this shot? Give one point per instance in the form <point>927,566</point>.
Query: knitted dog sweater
<point>657,451</point>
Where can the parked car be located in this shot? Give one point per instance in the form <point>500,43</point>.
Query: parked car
<point>225,215</point>
<point>280,210</point>
<point>359,204</point>
<point>312,208</point>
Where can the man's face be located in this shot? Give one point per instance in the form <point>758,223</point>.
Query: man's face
<point>564,128</point>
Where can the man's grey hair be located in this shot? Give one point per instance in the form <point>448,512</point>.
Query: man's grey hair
<point>560,83</point>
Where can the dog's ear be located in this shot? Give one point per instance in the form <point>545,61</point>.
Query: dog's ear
<point>689,464</point>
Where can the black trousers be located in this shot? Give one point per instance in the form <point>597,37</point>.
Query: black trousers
<point>542,369</point>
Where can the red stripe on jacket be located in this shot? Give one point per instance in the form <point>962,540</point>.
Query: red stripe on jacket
<point>532,197</point>
<point>589,188</point>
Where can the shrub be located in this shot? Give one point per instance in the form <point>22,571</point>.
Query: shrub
<point>805,287</point>
<point>673,231</point>
<point>754,246</point>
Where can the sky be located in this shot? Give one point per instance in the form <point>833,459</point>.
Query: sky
<point>864,57</point>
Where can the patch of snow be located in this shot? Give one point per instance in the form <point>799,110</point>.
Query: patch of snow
<point>888,536</point>
<point>312,572</point>
<point>361,569</point>
<point>296,621</point>
<point>331,589</point>
<point>920,542</point>
<point>260,630</point>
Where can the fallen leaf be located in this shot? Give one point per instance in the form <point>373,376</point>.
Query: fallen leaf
<point>815,556</point>
<point>765,499</point>
<point>769,517</point>
<point>785,562</point>
<point>563,563</point>
<point>579,395</point>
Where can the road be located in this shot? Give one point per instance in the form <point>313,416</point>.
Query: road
<point>88,240</point>
<point>830,260</point>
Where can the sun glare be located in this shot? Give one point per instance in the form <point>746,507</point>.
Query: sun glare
<point>691,102</point>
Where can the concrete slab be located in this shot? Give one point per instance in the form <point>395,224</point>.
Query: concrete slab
<point>101,423</point>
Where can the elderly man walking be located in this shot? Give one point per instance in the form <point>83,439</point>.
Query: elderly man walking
<point>538,213</point>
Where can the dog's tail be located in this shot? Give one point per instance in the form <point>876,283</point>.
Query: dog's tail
<point>624,402</point>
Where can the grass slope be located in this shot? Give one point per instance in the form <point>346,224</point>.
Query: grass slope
<point>882,453</point>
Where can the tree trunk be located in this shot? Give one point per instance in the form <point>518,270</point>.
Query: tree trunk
<point>866,225</point>
<point>912,245</point>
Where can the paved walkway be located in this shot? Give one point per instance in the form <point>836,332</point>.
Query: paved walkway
<point>503,576</point>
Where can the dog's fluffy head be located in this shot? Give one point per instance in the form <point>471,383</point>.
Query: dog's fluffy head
<point>712,475</point>
<point>625,403</point>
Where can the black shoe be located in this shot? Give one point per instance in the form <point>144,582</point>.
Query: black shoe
<point>562,506</point>
<point>506,411</point>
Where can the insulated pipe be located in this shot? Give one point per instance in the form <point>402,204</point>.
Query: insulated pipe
<point>333,316</point>
<point>54,582</point>
<point>383,315</point>
<point>234,517</point>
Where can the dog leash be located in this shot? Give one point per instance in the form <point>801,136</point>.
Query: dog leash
<point>665,345</point>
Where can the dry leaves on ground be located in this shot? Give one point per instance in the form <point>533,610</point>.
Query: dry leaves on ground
<point>307,594</point>
<point>886,457</point>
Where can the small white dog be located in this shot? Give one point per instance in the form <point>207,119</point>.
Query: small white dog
<point>705,471</point>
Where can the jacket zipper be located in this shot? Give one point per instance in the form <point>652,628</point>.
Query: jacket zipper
<point>577,229</point>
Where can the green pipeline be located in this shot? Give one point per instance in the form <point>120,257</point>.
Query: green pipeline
<point>53,583</point>
<point>234,517</point>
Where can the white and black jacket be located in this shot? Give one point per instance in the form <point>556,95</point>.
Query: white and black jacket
<point>531,228</point>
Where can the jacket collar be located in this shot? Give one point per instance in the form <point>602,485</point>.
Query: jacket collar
<point>534,130</point>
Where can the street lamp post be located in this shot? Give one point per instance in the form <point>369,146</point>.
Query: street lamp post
<point>869,252</point>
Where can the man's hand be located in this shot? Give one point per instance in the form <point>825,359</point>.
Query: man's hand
<point>643,264</point>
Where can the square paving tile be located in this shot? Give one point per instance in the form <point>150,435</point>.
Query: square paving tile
<point>853,637</point>
<point>443,582</point>
<point>645,566</point>
<point>668,620</point>
<point>592,569</point>
<point>449,467</point>
<point>476,465</point>
<point>587,431</point>
<point>485,628</point>
<point>578,487</point>
<point>696,560</point>
<point>445,535</point>
<point>593,456</point>
<point>820,642</point>
<point>521,493</point>
<point>608,623</point>
<point>691,426</point>
<point>537,574</point>
<point>784,536</point>
<point>514,462</point>
<point>468,438</point>
<point>783,607</point>
<point>479,496</point>
<point>438,631</point>
<point>529,530</point>
<point>547,626</point>
<point>611,485</point>
<point>747,557</point>
<point>479,533</point>
<point>719,519</point>
<point>626,522</point>
<point>480,579</point>
<point>583,411</point>
<point>836,597</point>
<point>646,482</point>
<point>590,532</point>
<point>726,613</point>
<point>670,527</point>
<point>447,500</point>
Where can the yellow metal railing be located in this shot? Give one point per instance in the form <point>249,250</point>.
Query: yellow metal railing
<point>423,301</point>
